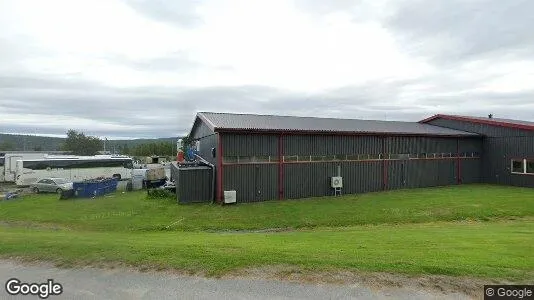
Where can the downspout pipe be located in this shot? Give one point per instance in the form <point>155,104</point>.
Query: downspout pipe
<point>212,176</point>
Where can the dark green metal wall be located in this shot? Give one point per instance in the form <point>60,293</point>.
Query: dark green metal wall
<point>499,146</point>
<point>208,140</point>
<point>260,181</point>
<point>194,185</point>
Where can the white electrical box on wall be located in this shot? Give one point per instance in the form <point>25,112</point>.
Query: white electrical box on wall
<point>337,182</point>
<point>230,197</point>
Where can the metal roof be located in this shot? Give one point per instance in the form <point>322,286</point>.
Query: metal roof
<point>271,123</point>
<point>517,124</point>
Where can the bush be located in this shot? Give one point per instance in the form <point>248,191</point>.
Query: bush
<point>160,194</point>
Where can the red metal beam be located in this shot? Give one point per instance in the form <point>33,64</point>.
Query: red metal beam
<point>280,167</point>
<point>492,122</point>
<point>340,133</point>
<point>220,194</point>
<point>384,165</point>
<point>346,161</point>
<point>458,162</point>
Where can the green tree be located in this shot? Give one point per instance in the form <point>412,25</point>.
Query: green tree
<point>80,144</point>
<point>37,148</point>
<point>125,149</point>
<point>186,142</point>
<point>7,146</point>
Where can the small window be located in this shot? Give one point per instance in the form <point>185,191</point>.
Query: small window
<point>404,156</point>
<point>230,159</point>
<point>245,159</point>
<point>263,159</point>
<point>530,166</point>
<point>290,158</point>
<point>518,166</point>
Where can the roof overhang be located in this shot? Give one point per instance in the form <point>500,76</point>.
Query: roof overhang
<point>342,133</point>
<point>491,122</point>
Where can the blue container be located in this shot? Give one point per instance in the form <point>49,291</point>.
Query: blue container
<point>94,188</point>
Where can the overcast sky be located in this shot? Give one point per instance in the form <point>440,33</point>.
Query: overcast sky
<point>143,68</point>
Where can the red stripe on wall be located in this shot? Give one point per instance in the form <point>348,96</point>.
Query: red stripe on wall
<point>220,194</point>
<point>384,165</point>
<point>458,163</point>
<point>341,161</point>
<point>280,168</point>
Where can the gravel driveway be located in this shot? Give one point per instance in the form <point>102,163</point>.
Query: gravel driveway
<point>89,283</point>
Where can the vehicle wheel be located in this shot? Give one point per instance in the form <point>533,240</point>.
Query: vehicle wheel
<point>59,191</point>
<point>117,176</point>
<point>35,190</point>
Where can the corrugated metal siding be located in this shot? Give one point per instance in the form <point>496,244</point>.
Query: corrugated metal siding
<point>484,129</point>
<point>421,173</point>
<point>174,172</point>
<point>331,145</point>
<point>194,185</point>
<point>500,145</point>
<point>471,170</point>
<point>471,145</point>
<point>249,144</point>
<point>252,183</point>
<point>208,140</point>
<point>400,145</point>
<point>499,153</point>
<point>313,180</point>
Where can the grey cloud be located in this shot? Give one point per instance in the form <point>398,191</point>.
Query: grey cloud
<point>324,7</point>
<point>173,62</point>
<point>449,31</point>
<point>177,12</point>
<point>169,111</point>
<point>359,10</point>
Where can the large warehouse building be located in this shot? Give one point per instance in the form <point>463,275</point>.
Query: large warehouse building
<point>263,157</point>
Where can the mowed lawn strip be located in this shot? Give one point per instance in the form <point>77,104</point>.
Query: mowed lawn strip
<point>499,249</point>
<point>133,211</point>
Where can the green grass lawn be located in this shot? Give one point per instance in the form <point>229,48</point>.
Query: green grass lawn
<point>471,230</point>
<point>493,249</point>
<point>133,211</point>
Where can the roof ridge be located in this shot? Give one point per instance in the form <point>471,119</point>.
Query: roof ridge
<point>304,117</point>
<point>511,123</point>
<point>256,122</point>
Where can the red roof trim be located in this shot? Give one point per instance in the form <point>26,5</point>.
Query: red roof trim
<point>343,133</point>
<point>479,121</point>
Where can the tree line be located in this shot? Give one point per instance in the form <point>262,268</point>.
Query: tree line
<point>80,144</point>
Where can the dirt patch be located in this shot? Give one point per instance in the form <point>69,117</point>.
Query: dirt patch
<point>266,230</point>
<point>446,285</point>
<point>30,225</point>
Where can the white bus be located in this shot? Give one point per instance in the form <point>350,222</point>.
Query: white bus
<point>2,169</point>
<point>9,168</point>
<point>73,168</point>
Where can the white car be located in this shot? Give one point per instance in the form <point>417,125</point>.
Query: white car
<point>52,185</point>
